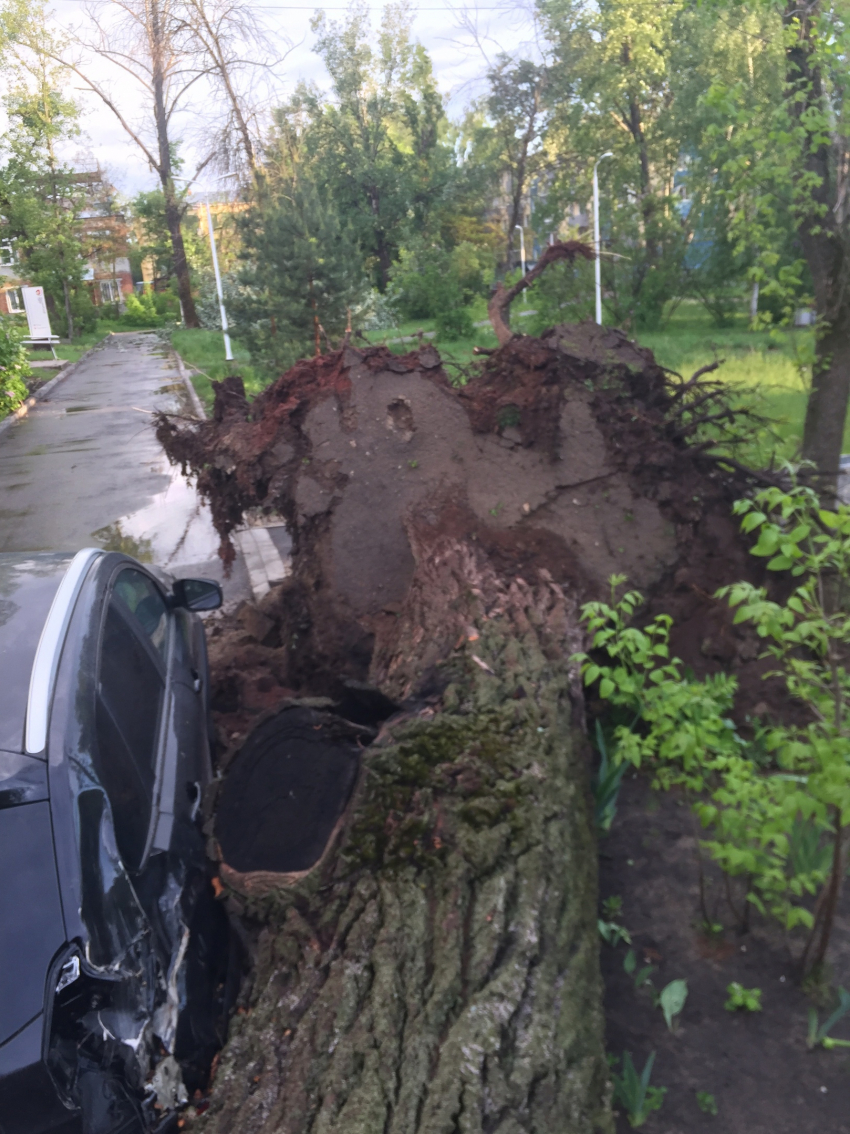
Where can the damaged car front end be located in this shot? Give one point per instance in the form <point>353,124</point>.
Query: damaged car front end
<point>115,958</point>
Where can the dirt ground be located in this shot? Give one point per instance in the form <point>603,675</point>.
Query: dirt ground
<point>756,1065</point>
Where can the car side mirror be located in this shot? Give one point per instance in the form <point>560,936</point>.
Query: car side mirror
<point>197,594</point>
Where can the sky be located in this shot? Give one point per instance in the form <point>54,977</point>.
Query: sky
<point>460,38</point>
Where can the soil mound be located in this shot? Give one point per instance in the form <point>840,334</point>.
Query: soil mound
<point>570,454</point>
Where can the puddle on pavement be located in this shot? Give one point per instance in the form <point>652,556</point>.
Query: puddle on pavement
<point>175,527</point>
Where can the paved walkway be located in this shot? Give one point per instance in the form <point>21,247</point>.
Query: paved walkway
<point>84,468</point>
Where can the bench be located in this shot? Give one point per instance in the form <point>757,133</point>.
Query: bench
<point>46,343</point>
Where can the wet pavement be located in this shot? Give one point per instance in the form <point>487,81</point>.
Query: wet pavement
<point>84,468</point>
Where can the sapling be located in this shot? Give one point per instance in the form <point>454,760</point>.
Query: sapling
<point>641,976</point>
<point>634,1092</point>
<point>742,999</point>
<point>820,1034</point>
<point>707,1103</point>
<point>612,933</point>
<point>612,906</point>
<point>778,808</point>
<point>807,636</point>
<point>671,1000</point>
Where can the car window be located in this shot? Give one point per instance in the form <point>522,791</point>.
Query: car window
<point>129,704</point>
<point>140,596</point>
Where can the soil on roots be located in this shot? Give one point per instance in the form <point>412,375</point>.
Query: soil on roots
<point>562,454</point>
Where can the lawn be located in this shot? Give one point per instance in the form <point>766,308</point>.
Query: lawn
<point>770,369</point>
<point>203,353</point>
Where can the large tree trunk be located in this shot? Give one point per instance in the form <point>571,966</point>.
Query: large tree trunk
<point>157,39</point>
<point>821,229</point>
<point>435,969</point>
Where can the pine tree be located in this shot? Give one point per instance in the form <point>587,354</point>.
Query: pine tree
<point>304,273</point>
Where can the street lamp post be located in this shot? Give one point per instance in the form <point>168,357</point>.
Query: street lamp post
<point>521,247</point>
<point>228,352</point>
<point>522,260</point>
<point>597,247</point>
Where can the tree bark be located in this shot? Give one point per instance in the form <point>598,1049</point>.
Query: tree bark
<point>66,291</point>
<point>823,243</point>
<point>173,218</point>
<point>438,970</point>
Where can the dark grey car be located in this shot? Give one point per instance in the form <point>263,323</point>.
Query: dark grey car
<point>113,952</point>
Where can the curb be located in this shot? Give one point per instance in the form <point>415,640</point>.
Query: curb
<point>197,404</point>
<point>47,389</point>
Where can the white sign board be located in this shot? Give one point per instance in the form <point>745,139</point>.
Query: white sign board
<point>36,309</point>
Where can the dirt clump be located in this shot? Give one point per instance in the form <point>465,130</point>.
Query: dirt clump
<point>568,453</point>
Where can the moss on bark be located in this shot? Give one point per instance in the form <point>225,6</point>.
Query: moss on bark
<point>439,974</point>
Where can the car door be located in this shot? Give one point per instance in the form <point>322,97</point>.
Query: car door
<point>131,706</point>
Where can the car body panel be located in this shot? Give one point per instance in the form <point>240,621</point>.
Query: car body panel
<point>125,927</point>
<point>28,585</point>
<point>31,925</point>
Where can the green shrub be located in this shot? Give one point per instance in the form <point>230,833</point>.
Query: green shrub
<point>431,282</point>
<point>109,312</point>
<point>770,802</point>
<point>140,311</point>
<point>455,323</point>
<point>166,304</point>
<point>14,367</point>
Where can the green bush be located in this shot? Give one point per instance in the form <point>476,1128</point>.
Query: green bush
<point>776,804</point>
<point>109,312</point>
<point>166,304</point>
<point>83,311</point>
<point>140,311</point>
<point>455,323</point>
<point>14,367</point>
<point>431,282</point>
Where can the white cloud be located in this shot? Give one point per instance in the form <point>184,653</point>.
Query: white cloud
<point>458,54</point>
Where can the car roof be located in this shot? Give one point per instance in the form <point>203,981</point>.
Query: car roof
<point>28,584</point>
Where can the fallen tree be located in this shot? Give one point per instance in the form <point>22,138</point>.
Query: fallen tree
<point>432,967</point>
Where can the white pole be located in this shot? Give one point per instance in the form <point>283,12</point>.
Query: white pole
<point>597,247</point>
<point>522,261</point>
<point>228,353</point>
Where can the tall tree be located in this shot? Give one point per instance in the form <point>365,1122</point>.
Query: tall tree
<point>304,272</point>
<point>785,158</point>
<point>230,44</point>
<point>817,40</point>
<point>140,39</point>
<point>165,49</point>
<point>510,139</point>
<point>615,68</point>
<point>376,143</point>
<point>42,198</point>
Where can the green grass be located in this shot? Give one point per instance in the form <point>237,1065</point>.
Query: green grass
<point>203,351</point>
<point>83,342</point>
<point>769,370</point>
<point>72,351</point>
